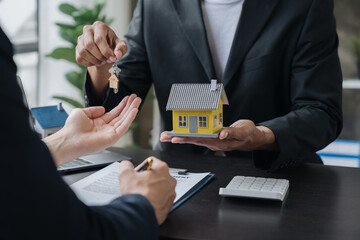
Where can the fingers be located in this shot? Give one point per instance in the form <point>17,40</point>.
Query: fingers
<point>119,110</point>
<point>138,167</point>
<point>159,165</point>
<point>91,45</point>
<point>239,130</point>
<point>191,140</point>
<point>129,101</point>
<point>164,137</point>
<point>206,142</point>
<point>98,44</point>
<point>83,56</point>
<point>133,102</point>
<point>101,35</point>
<point>94,112</point>
<point>123,126</point>
<point>120,48</point>
<point>187,140</point>
<point>224,134</point>
<point>214,144</point>
<point>108,117</point>
<point>144,163</point>
<point>87,49</point>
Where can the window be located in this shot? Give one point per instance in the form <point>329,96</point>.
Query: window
<point>203,121</point>
<point>220,118</point>
<point>215,121</point>
<point>22,30</point>
<point>182,119</point>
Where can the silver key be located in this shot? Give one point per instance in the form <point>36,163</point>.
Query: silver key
<point>114,79</point>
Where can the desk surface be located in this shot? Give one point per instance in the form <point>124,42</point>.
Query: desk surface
<point>323,202</point>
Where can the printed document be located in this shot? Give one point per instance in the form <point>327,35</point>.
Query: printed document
<point>102,187</point>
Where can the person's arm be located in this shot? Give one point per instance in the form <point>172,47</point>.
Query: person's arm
<point>98,48</point>
<point>135,76</point>
<point>37,204</point>
<point>316,92</point>
<point>90,130</point>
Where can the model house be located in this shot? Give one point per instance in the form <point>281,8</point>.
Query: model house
<point>49,119</point>
<point>197,109</point>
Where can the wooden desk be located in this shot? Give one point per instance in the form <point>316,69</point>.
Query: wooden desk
<point>323,202</point>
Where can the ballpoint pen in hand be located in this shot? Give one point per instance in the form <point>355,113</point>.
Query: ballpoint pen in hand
<point>146,165</point>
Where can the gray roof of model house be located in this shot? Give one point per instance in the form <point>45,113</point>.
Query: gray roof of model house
<point>196,96</point>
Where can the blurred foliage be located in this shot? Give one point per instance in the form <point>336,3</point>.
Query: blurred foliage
<point>357,47</point>
<point>81,16</point>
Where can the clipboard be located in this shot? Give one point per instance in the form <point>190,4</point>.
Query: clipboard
<point>192,191</point>
<point>102,187</point>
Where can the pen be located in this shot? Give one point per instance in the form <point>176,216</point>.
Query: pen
<point>146,165</point>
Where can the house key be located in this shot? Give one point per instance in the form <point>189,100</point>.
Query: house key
<point>114,78</point>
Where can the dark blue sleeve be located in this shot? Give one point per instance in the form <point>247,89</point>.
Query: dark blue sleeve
<point>35,203</point>
<point>139,214</point>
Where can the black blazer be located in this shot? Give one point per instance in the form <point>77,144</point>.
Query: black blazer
<point>283,70</point>
<point>35,203</point>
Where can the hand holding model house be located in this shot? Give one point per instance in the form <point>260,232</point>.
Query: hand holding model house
<point>198,119</point>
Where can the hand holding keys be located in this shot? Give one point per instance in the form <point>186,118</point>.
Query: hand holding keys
<point>114,78</point>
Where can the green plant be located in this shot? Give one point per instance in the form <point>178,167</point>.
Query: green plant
<point>81,16</point>
<point>357,47</point>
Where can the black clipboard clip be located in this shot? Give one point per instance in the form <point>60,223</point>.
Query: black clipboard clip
<point>183,172</point>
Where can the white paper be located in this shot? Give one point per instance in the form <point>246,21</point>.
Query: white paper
<point>102,187</point>
<point>340,161</point>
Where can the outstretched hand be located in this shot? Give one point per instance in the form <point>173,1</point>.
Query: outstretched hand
<point>90,130</point>
<point>242,135</point>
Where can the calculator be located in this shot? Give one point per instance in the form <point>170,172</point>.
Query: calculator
<point>256,187</point>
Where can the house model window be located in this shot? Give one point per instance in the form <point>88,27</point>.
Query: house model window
<point>196,109</point>
<point>203,121</point>
<point>182,121</point>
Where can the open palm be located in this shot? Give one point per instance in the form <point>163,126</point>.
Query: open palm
<point>91,129</point>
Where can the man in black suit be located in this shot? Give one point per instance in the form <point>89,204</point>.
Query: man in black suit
<point>282,74</point>
<point>36,203</point>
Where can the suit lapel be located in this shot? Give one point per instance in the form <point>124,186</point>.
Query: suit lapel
<point>253,19</point>
<point>191,20</point>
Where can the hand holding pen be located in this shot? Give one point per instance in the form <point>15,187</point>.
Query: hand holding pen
<point>146,165</point>
<point>152,180</point>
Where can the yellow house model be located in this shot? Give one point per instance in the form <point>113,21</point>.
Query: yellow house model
<point>197,109</point>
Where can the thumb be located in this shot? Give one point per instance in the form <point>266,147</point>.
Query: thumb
<point>224,134</point>
<point>120,48</point>
<point>94,112</point>
<point>232,133</point>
